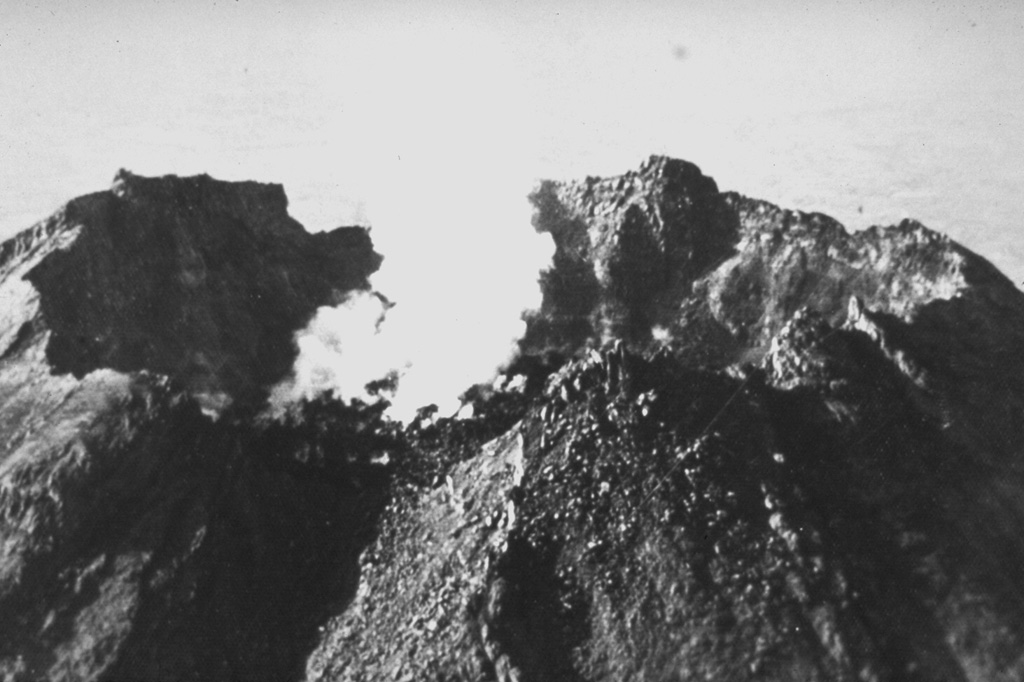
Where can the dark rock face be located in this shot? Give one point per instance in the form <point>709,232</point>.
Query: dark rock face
<point>197,279</point>
<point>740,443</point>
<point>626,249</point>
<point>721,274</point>
<point>781,452</point>
<point>139,538</point>
<point>659,257</point>
<point>648,521</point>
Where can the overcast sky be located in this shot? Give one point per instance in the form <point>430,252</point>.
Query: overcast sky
<point>779,99</point>
<point>432,120</point>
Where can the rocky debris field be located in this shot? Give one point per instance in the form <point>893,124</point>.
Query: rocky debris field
<point>737,443</point>
<point>651,521</point>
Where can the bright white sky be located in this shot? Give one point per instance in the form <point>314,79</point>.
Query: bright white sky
<point>432,120</point>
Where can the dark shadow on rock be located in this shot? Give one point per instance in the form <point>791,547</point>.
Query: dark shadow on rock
<point>191,549</point>
<point>201,280</point>
<point>910,515</point>
<point>528,623</point>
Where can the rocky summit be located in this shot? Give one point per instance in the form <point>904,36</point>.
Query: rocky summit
<point>141,537</point>
<point>737,443</point>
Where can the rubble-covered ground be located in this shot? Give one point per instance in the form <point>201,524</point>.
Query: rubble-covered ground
<point>775,451</point>
<point>737,443</point>
<point>650,521</point>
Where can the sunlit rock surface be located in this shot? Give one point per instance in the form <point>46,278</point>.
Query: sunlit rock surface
<point>739,443</point>
<point>779,451</point>
<point>139,539</point>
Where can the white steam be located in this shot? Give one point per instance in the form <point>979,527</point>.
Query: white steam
<point>446,195</point>
<point>338,351</point>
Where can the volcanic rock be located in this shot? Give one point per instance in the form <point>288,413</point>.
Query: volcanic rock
<point>739,443</point>
<point>139,538</point>
<point>192,278</point>
<point>779,451</point>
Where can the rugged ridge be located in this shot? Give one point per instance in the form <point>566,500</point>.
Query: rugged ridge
<point>777,451</point>
<point>197,279</point>
<point>739,443</point>
<point>716,275</point>
<point>141,539</point>
<point>654,251</point>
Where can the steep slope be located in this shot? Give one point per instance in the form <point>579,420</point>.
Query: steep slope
<point>659,258</point>
<point>739,443</point>
<point>780,452</point>
<point>193,278</point>
<point>668,523</point>
<point>139,538</point>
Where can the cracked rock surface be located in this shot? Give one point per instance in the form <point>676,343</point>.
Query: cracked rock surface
<point>139,537</point>
<point>776,451</point>
<point>737,443</point>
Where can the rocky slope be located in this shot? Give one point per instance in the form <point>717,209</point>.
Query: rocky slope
<point>139,538</point>
<point>739,443</point>
<point>197,279</point>
<point>778,451</point>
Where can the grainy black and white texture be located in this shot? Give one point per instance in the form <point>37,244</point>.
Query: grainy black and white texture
<point>738,443</point>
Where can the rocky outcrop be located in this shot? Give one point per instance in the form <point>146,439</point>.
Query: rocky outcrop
<point>781,451</point>
<point>715,275</point>
<point>807,519</point>
<point>626,250</point>
<point>193,278</point>
<point>409,618</point>
<point>139,537</point>
<point>659,257</point>
<point>739,443</point>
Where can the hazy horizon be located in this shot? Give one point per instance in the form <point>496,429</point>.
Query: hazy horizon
<point>836,107</point>
<point>431,122</point>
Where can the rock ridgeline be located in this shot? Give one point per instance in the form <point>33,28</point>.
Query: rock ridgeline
<point>658,258</point>
<point>197,279</point>
<point>739,443</point>
<point>139,538</point>
<point>775,451</point>
<point>653,253</point>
